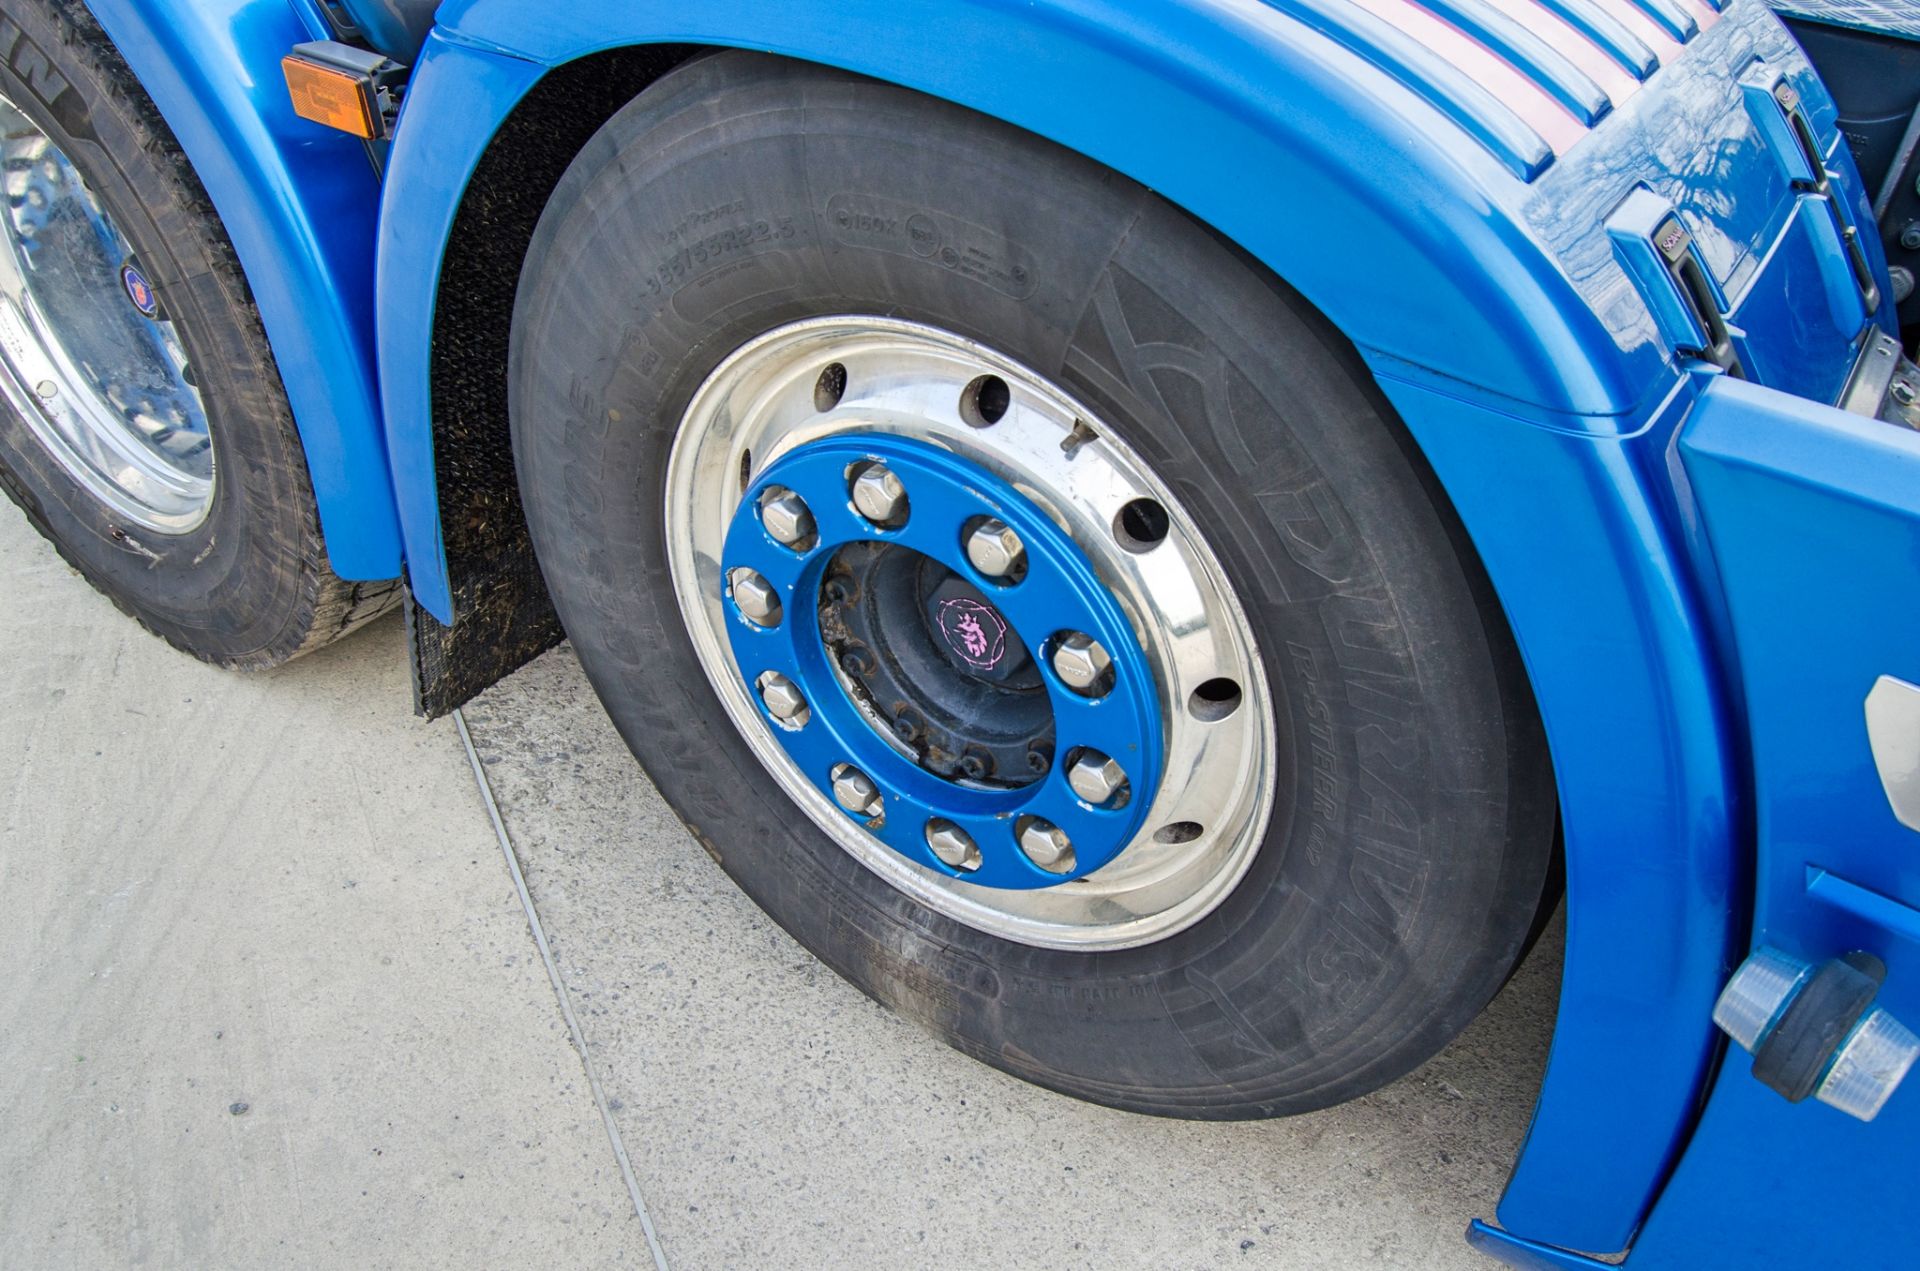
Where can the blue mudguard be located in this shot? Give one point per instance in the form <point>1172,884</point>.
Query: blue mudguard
<point>301,205</point>
<point>1811,519</point>
<point>1462,239</point>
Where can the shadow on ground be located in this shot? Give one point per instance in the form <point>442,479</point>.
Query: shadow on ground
<point>776,1116</point>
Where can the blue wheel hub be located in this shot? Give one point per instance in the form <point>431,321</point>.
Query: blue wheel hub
<point>941,661</point>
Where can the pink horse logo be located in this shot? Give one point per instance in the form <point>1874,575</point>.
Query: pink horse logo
<point>974,631</point>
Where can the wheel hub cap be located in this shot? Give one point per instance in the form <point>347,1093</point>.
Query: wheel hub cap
<point>926,652</point>
<point>921,682</point>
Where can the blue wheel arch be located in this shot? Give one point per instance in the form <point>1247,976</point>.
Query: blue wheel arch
<point>1549,429</point>
<point>300,205</point>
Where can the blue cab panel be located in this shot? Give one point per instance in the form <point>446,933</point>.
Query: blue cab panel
<point>1813,516</point>
<point>1811,520</point>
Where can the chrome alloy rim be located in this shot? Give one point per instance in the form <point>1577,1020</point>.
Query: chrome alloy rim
<point>88,356</point>
<point>842,439</point>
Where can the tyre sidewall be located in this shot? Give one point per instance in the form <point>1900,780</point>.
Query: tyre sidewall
<point>1393,889</point>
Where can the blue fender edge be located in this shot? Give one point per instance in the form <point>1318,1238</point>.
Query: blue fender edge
<point>301,205</point>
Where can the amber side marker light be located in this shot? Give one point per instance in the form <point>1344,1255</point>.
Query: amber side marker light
<point>343,87</point>
<point>327,96</point>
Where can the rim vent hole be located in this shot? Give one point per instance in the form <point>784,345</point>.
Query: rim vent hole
<point>984,402</point>
<point>1214,700</point>
<point>830,387</point>
<point>1142,525</point>
<point>1175,832</point>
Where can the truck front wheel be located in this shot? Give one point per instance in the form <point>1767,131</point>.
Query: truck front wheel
<point>1025,597</point>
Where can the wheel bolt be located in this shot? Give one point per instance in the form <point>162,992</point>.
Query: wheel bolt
<point>787,518</point>
<point>995,549</point>
<point>953,845</point>
<point>1096,777</point>
<point>1046,844</point>
<point>879,496</point>
<point>1079,660</point>
<point>785,702</point>
<point>755,597</point>
<point>855,791</point>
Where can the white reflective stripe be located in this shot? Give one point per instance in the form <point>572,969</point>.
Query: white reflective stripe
<point>1703,13</point>
<point>1510,87</point>
<point>1651,33</point>
<point>1615,80</point>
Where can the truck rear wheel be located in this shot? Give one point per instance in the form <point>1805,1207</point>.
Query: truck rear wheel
<point>144,430</point>
<point>1028,600</point>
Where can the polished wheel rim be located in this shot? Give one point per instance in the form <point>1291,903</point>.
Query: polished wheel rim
<point>88,355</point>
<point>970,633</point>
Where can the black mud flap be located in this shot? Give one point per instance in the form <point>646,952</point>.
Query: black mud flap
<point>490,639</point>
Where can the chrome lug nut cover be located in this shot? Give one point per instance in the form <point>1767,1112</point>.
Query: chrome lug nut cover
<point>879,496</point>
<point>855,791</point>
<point>784,700</point>
<point>995,549</point>
<point>1080,661</point>
<point>755,597</point>
<point>1046,844</point>
<point>788,518</point>
<point>1095,777</point>
<point>953,845</point>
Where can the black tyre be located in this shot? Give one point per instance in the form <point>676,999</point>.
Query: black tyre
<point>144,429</point>
<point>1405,854</point>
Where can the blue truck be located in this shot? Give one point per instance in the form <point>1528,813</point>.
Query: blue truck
<point>1157,539</point>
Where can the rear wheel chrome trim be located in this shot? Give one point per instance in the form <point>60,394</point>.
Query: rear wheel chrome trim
<point>88,357</point>
<point>1207,813</point>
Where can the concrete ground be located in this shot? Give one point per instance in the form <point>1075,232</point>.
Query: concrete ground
<point>272,1000</point>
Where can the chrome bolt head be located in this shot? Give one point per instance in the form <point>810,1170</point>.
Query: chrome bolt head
<point>854,790</point>
<point>1095,777</point>
<point>784,700</point>
<point>1045,844</point>
<point>788,518</point>
<point>995,549</point>
<point>1079,660</point>
<point>879,496</point>
<point>755,597</point>
<point>953,845</point>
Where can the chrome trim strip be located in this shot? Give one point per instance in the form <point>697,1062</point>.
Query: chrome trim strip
<point>1893,731</point>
